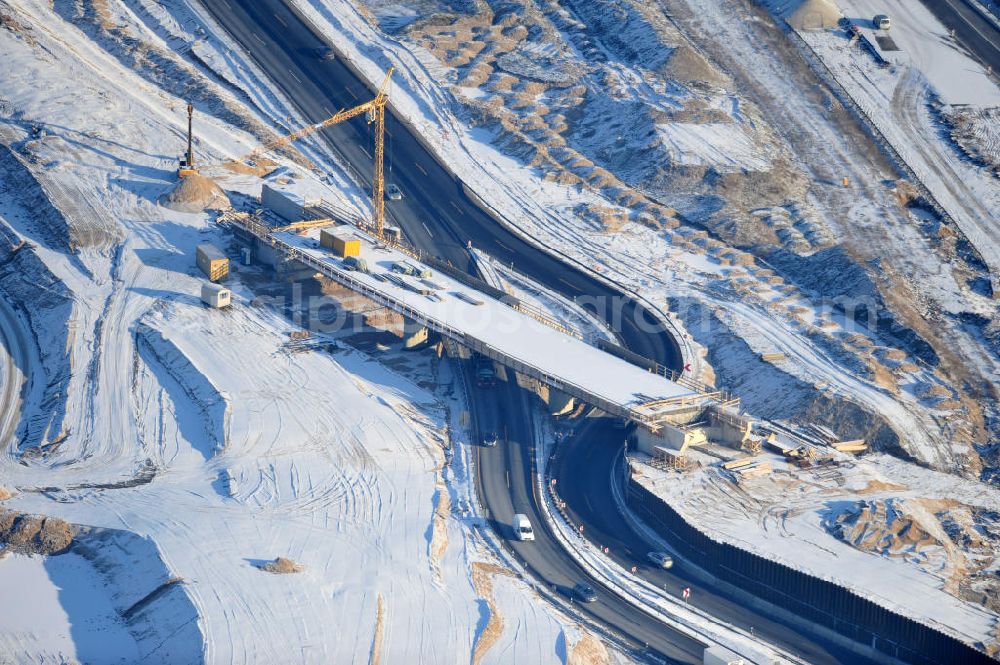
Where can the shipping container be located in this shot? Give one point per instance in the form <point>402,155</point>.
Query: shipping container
<point>215,295</point>
<point>212,262</point>
<point>342,246</point>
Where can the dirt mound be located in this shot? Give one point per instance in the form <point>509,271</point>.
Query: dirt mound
<point>977,133</point>
<point>815,15</point>
<point>686,64</point>
<point>883,527</point>
<point>589,651</point>
<point>34,534</point>
<point>282,566</point>
<point>195,193</point>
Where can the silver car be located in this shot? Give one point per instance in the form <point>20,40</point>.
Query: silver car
<point>660,559</point>
<point>393,192</point>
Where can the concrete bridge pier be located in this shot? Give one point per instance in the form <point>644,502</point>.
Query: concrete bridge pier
<point>414,334</point>
<point>559,403</point>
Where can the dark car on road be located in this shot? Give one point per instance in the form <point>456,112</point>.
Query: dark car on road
<point>490,439</point>
<point>584,593</point>
<point>660,559</point>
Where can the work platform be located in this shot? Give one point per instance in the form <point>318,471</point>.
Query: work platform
<point>518,340</point>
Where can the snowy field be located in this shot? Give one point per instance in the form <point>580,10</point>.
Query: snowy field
<point>795,516</point>
<point>141,401</point>
<point>192,446</point>
<point>856,243</point>
<point>927,72</point>
<point>674,266</point>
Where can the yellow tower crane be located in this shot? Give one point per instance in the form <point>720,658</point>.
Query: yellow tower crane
<point>375,109</point>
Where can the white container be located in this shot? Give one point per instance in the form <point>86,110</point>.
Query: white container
<point>216,295</point>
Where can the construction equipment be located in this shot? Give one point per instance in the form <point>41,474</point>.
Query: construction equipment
<point>305,224</point>
<point>375,110</point>
<point>187,167</point>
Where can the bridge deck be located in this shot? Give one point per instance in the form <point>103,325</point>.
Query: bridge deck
<point>496,330</point>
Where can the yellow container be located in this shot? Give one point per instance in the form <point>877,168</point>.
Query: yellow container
<point>212,262</point>
<point>342,247</point>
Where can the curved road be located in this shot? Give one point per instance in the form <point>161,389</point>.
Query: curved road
<point>505,481</point>
<point>588,463</point>
<point>434,214</point>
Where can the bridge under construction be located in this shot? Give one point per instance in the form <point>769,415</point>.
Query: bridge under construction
<point>671,411</point>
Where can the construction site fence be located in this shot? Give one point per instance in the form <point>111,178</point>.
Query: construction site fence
<point>810,598</point>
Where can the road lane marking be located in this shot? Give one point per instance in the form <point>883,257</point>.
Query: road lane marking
<point>257,37</point>
<point>280,21</point>
<point>294,76</point>
<point>504,246</point>
<point>572,286</point>
<point>453,205</point>
<point>420,168</point>
<point>350,92</point>
<point>424,224</point>
<point>365,151</point>
<point>329,113</point>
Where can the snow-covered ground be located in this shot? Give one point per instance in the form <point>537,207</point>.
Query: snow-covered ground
<point>916,562</point>
<point>68,618</point>
<point>877,385</point>
<point>192,445</point>
<point>666,264</point>
<point>927,72</point>
<point>132,380</point>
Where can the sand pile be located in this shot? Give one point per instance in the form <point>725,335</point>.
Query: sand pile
<point>195,193</point>
<point>282,566</point>
<point>815,15</point>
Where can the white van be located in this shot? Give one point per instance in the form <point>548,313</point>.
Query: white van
<point>522,528</point>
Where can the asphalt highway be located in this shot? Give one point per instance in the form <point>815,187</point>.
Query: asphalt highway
<point>505,482</point>
<point>973,30</point>
<point>435,215</point>
<point>588,463</point>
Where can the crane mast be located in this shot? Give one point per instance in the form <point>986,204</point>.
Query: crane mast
<point>375,110</point>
